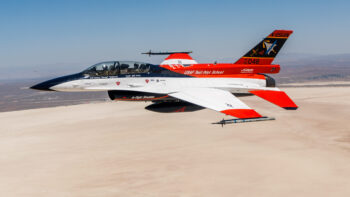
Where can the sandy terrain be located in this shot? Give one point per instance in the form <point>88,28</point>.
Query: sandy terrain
<point>324,83</point>
<point>120,149</point>
<point>317,84</point>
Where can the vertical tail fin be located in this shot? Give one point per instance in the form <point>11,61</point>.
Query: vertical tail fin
<point>266,51</point>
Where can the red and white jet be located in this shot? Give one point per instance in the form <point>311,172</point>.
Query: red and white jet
<point>180,82</point>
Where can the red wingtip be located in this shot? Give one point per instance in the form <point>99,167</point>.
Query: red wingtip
<point>242,113</point>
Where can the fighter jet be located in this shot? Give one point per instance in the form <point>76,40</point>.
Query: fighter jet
<point>179,79</point>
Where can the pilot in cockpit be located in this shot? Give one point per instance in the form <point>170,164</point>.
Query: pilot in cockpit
<point>104,70</point>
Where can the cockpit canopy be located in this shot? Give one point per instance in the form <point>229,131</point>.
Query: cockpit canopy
<point>115,68</point>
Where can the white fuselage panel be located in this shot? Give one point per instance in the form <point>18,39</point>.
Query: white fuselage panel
<point>162,85</point>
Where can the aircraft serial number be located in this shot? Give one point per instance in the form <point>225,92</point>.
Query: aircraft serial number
<point>251,61</point>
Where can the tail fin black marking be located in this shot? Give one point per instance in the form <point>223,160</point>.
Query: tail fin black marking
<point>266,50</point>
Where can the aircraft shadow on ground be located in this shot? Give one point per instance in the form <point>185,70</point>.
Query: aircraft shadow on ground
<point>173,107</point>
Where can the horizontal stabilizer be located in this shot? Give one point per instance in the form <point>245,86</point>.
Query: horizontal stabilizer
<point>279,98</point>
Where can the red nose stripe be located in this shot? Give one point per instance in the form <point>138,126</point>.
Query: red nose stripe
<point>242,113</point>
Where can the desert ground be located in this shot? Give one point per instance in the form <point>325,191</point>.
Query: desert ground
<point>120,149</point>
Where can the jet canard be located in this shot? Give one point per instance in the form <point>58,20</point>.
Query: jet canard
<point>179,78</point>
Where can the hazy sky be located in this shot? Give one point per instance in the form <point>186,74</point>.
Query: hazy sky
<point>73,32</point>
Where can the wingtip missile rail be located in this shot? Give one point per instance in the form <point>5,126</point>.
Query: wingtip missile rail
<point>239,120</point>
<point>165,52</point>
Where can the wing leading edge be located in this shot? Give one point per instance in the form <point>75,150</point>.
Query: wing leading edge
<point>218,100</point>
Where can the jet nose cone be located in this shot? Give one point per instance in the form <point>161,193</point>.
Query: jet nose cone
<point>42,86</point>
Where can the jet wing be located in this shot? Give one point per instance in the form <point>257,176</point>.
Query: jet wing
<point>178,58</point>
<point>218,100</point>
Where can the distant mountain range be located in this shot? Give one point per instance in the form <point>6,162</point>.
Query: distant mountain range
<point>301,68</point>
